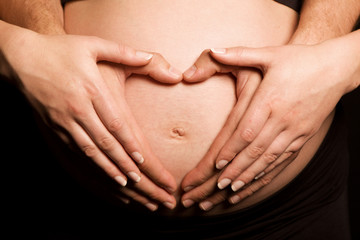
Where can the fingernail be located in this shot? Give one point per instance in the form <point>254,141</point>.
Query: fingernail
<point>218,50</point>
<point>190,72</point>
<point>122,181</point>
<point>206,205</point>
<point>137,157</point>
<point>188,188</point>
<point>175,72</point>
<point>234,199</point>
<point>224,183</point>
<point>134,176</point>
<point>169,205</point>
<point>221,164</point>
<point>151,206</point>
<point>145,55</point>
<point>237,185</point>
<point>188,203</point>
<point>259,176</point>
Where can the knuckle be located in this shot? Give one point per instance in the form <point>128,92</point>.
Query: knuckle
<point>91,90</point>
<point>123,49</point>
<point>220,197</point>
<point>270,158</point>
<point>106,143</point>
<point>247,135</point>
<point>265,180</point>
<point>201,194</point>
<point>254,152</point>
<point>89,150</point>
<point>249,191</point>
<point>77,110</point>
<point>116,125</point>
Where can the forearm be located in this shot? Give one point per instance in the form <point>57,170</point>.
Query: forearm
<point>43,16</point>
<point>324,19</point>
<point>8,32</point>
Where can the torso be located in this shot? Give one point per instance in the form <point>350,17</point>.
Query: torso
<point>180,30</point>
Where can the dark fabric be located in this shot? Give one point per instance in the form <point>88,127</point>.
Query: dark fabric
<point>45,202</point>
<point>312,206</point>
<point>294,4</point>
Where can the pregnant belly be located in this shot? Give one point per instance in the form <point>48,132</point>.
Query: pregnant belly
<point>181,121</point>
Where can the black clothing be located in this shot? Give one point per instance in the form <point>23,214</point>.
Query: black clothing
<point>312,206</point>
<point>294,4</point>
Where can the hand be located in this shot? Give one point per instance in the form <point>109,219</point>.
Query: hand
<point>301,86</point>
<point>145,191</point>
<point>60,77</point>
<point>200,183</point>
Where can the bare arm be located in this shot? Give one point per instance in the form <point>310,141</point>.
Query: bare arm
<point>42,16</point>
<point>319,20</point>
<point>324,19</point>
<point>97,120</point>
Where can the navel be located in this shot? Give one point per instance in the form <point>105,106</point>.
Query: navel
<point>177,132</point>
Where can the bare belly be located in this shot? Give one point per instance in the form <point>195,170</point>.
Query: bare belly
<point>181,121</point>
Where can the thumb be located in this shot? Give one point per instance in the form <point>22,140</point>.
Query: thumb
<point>244,57</point>
<point>204,67</point>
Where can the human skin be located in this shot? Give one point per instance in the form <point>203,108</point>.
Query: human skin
<point>319,21</point>
<point>83,113</point>
<point>179,120</point>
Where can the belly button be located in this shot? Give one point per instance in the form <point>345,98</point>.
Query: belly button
<point>177,132</point>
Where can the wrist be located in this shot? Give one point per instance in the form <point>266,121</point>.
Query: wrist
<point>344,57</point>
<point>11,37</point>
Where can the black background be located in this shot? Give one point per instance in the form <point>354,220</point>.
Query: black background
<point>40,197</point>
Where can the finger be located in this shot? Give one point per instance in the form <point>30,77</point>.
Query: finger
<point>85,144</point>
<point>158,69</point>
<point>113,119</point>
<point>104,50</point>
<point>292,151</point>
<point>248,190</point>
<point>250,154</point>
<point>259,183</point>
<point>152,206</point>
<point>240,56</point>
<point>272,154</point>
<point>249,127</point>
<point>205,67</point>
<point>106,142</point>
<point>148,188</point>
<point>205,168</point>
<point>151,165</point>
<point>214,200</point>
<point>200,193</point>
